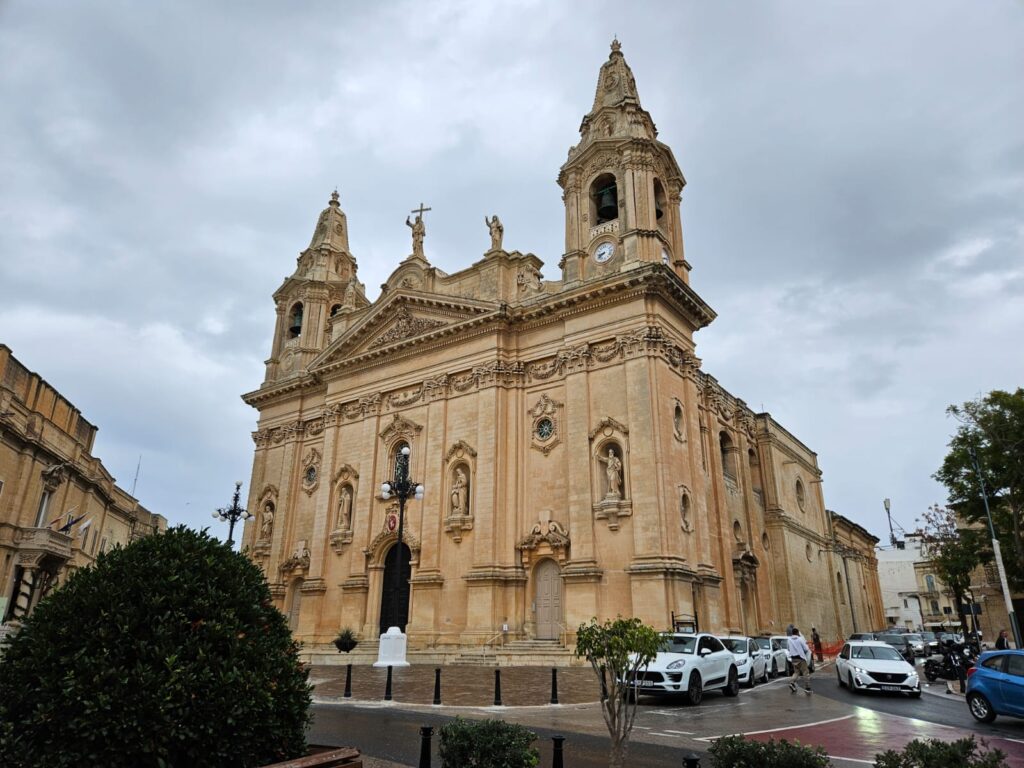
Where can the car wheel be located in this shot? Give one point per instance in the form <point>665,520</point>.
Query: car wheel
<point>764,678</point>
<point>732,688</point>
<point>849,682</point>
<point>775,670</point>
<point>694,689</point>
<point>980,707</point>
<point>751,680</point>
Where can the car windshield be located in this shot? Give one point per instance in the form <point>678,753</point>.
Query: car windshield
<point>678,644</point>
<point>764,642</point>
<point>913,637</point>
<point>928,636</point>
<point>893,639</point>
<point>736,646</point>
<point>880,652</point>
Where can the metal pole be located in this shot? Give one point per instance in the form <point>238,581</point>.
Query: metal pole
<point>554,685</point>
<point>425,733</point>
<point>556,752</point>
<point>387,686</point>
<point>497,687</point>
<point>996,551</point>
<point>437,685</point>
<point>348,683</point>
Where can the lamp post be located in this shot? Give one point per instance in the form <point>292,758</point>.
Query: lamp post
<point>233,514</point>
<point>1014,627</point>
<point>402,488</point>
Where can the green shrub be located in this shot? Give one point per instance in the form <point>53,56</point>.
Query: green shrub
<point>166,653</point>
<point>487,744</point>
<point>738,752</point>
<point>963,753</point>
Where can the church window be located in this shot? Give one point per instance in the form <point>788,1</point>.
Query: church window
<point>310,475</point>
<point>335,309</point>
<point>737,530</point>
<point>677,419</point>
<point>809,552</point>
<point>684,512</point>
<point>295,321</point>
<point>400,461</point>
<point>545,428</point>
<point>765,541</point>
<point>660,205</point>
<point>728,459</point>
<point>44,506</point>
<point>755,471</point>
<point>801,496</point>
<point>604,199</point>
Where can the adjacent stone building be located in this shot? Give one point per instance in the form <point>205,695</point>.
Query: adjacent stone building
<point>59,507</point>
<point>577,461</point>
<point>912,593</point>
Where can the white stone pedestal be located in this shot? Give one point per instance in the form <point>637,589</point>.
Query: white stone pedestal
<point>392,649</point>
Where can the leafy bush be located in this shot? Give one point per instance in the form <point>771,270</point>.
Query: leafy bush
<point>167,652</point>
<point>487,744</point>
<point>738,752</point>
<point>963,753</point>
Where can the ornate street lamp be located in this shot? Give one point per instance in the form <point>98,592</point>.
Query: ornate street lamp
<point>233,514</point>
<point>403,489</point>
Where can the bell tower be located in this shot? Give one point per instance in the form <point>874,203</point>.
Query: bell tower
<point>621,186</point>
<point>320,293</point>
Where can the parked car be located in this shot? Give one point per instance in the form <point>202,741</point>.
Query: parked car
<point>775,656</point>
<point>689,664</point>
<point>900,643</point>
<point>931,643</point>
<point>995,685</point>
<point>871,665</point>
<point>916,642</point>
<point>750,662</point>
<point>783,641</point>
<point>861,636</point>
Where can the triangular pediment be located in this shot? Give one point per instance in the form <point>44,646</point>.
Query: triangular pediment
<point>402,318</point>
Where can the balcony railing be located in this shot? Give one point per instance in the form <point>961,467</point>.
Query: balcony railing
<point>45,541</point>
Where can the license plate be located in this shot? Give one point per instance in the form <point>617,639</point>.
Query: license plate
<point>890,688</point>
<point>647,683</point>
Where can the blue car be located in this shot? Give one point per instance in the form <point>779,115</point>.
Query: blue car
<point>995,685</point>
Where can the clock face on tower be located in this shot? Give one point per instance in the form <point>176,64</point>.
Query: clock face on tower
<point>604,252</point>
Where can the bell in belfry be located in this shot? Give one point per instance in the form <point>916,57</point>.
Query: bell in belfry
<point>607,204</point>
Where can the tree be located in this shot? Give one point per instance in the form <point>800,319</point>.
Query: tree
<point>167,652</point>
<point>993,426</point>
<point>617,650</point>
<point>953,552</point>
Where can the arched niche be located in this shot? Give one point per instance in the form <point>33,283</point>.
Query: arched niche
<point>460,479</point>
<point>295,320</point>
<point>344,493</point>
<point>610,471</point>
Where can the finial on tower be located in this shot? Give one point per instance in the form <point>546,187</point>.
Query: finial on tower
<point>616,45</point>
<point>334,198</point>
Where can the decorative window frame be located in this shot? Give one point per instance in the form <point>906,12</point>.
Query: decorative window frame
<point>546,408</point>
<point>685,508</point>
<point>800,490</point>
<point>610,432</point>
<point>678,420</point>
<point>345,476</point>
<point>461,454</point>
<point>312,460</point>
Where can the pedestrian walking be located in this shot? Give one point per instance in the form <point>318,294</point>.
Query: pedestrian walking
<point>816,642</point>
<point>1002,642</point>
<point>800,654</point>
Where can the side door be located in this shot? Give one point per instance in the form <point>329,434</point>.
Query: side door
<point>1011,685</point>
<point>723,658</point>
<point>842,660</point>
<point>756,660</point>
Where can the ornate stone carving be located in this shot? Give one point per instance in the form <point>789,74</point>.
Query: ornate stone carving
<point>546,430</point>
<point>613,472</point>
<point>299,560</point>
<point>400,427</point>
<point>459,449</point>
<point>311,471</point>
<point>546,534</point>
<point>54,475</point>
<point>405,327</point>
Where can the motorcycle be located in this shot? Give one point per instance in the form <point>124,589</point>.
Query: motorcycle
<point>953,666</point>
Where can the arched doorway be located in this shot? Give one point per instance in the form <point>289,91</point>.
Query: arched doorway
<point>549,599</point>
<point>394,599</point>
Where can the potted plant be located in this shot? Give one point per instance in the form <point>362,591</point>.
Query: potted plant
<point>346,640</point>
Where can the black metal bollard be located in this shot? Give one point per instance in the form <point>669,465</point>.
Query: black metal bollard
<point>425,733</point>
<point>387,686</point>
<point>348,682</point>
<point>691,760</point>
<point>556,752</point>
<point>497,687</point>
<point>554,685</point>
<point>437,685</point>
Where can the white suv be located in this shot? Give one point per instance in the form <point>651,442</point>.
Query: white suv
<point>689,664</point>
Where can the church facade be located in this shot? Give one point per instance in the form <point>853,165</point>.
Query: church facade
<point>576,459</point>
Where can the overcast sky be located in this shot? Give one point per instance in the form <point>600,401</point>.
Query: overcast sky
<point>854,209</point>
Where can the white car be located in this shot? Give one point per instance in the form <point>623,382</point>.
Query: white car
<point>871,665</point>
<point>750,663</point>
<point>783,641</point>
<point>689,664</point>
<point>775,656</point>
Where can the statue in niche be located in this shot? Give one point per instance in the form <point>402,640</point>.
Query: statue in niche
<point>460,490</point>
<point>267,520</point>
<point>613,469</point>
<point>345,509</point>
<point>497,231</point>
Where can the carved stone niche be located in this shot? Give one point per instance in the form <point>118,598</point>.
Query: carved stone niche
<point>609,449</point>
<point>547,537</point>
<point>345,484</point>
<point>460,477</point>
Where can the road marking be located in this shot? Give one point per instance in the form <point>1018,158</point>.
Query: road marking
<point>783,728</point>
<point>666,735</point>
<point>681,733</point>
